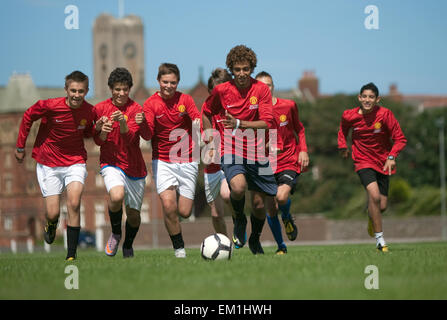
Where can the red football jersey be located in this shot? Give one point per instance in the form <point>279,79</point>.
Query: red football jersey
<point>214,166</point>
<point>170,122</point>
<point>60,139</point>
<point>251,104</point>
<point>122,150</point>
<point>288,122</point>
<point>372,134</point>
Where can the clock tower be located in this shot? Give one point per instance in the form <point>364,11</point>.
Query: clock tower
<point>117,42</point>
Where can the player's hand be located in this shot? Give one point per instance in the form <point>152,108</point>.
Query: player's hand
<point>272,150</point>
<point>210,155</point>
<point>100,123</point>
<point>344,153</point>
<point>196,123</point>
<point>19,156</point>
<point>118,116</point>
<point>197,135</point>
<point>230,122</point>
<point>139,118</point>
<point>107,127</point>
<point>303,160</point>
<point>389,166</point>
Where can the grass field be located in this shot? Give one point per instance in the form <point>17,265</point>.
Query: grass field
<point>409,271</point>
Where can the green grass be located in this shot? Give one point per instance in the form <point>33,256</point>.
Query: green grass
<point>409,271</point>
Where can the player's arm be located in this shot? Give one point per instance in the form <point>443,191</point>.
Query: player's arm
<point>34,113</point>
<point>103,125</point>
<point>303,156</point>
<point>119,116</point>
<point>232,123</point>
<point>399,142</point>
<point>130,136</point>
<point>209,106</point>
<point>144,129</point>
<point>90,128</point>
<point>195,117</point>
<point>343,132</point>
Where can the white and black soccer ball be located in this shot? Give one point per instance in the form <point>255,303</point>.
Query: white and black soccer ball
<point>216,247</point>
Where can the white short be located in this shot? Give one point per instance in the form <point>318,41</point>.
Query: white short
<point>213,181</point>
<point>133,187</point>
<point>54,180</point>
<point>181,175</point>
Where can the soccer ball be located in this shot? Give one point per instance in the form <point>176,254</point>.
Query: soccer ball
<point>216,247</point>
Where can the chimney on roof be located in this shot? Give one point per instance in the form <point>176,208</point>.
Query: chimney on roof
<point>394,93</point>
<point>309,84</point>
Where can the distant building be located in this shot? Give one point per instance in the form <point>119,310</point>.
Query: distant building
<point>421,101</point>
<point>308,86</point>
<point>117,42</point>
<point>199,92</point>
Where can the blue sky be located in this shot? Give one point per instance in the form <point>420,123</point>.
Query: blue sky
<point>288,36</point>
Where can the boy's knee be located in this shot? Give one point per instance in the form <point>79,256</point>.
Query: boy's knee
<point>282,198</point>
<point>74,204</point>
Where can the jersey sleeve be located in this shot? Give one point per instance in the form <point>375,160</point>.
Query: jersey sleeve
<point>34,113</point>
<point>89,130</point>
<point>299,128</point>
<point>145,130</point>
<point>399,140</point>
<point>133,133</point>
<point>191,108</point>
<point>343,131</point>
<point>149,115</point>
<point>265,107</point>
<point>212,104</point>
<point>98,141</point>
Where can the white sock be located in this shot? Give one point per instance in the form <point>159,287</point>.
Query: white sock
<point>379,239</point>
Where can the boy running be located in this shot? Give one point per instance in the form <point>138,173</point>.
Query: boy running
<point>244,106</point>
<point>60,154</point>
<point>373,129</point>
<point>290,162</point>
<point>171,115</point>
<point>122,164</point>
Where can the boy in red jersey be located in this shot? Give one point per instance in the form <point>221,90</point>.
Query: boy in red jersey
<point>373,128</point>
<point>171,116</point>
<point>244,106</point>
<point>60,154</point>
<point>122,164</point>
<point>288,164</point>
<point>216,186</point>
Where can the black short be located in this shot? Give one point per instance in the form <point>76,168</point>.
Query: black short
<point>288,177</point>
<point>259,176</point>
<point>369,175</point>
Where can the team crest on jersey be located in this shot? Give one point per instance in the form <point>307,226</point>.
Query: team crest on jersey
<point>377,127</point>
<point>283,120</point>
<point>82,124</point>
<point>181,109</point>
<point>253,100</point>
<point>253,103</point>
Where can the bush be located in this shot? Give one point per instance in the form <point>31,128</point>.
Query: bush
<point>400,190</point>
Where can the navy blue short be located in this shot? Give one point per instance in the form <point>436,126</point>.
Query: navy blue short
<point>288,177</point>
<point>259,176</point>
